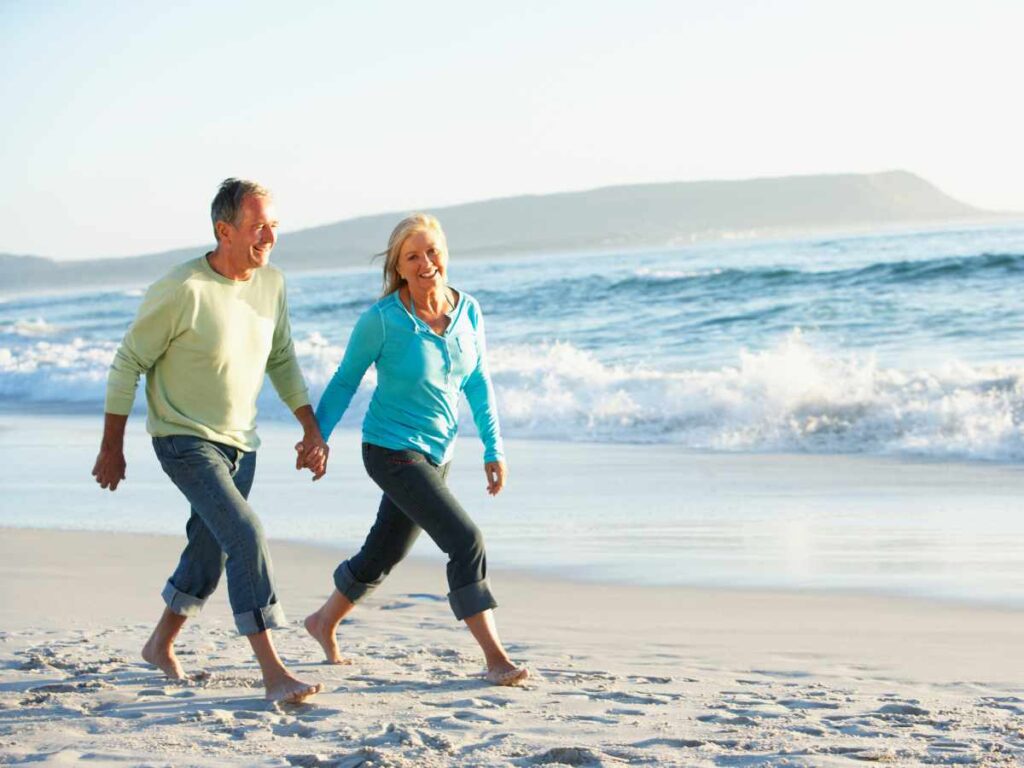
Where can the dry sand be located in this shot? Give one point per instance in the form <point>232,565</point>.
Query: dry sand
<point>622,675</point>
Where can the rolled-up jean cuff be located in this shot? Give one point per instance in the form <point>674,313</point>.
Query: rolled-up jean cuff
<point>351,587</point>
<point>259,619</point>
<point>471,599</point>
<point>181,603</point>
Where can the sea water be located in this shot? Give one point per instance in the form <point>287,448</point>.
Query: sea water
<point>901,347</point>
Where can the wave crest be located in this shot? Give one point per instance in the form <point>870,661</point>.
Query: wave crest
<point>788,398</point>
<point>791,397</point>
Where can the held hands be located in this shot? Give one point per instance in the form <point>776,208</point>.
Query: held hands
<point>109,468</point>
<point>496,472</point>
<point>311,453</point>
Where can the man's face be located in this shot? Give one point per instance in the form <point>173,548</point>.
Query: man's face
<point>250,242</point>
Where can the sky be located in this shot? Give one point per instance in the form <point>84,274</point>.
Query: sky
<point>119,120</point>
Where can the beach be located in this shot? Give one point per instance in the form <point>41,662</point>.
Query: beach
<point>621,675</point>
<point>624,672</point>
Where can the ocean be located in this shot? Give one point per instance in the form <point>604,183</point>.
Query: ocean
<point>889,344</point>
<point>842,414</point>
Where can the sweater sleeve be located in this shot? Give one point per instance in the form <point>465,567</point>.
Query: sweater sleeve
<point>160,318</point>
<point>282,365</point>
<point>363,349</point>
<point>480,394</point>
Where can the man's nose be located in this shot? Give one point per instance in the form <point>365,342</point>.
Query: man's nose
<point>269,235</point>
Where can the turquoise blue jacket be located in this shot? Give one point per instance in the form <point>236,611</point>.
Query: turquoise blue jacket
<point>419,378</point>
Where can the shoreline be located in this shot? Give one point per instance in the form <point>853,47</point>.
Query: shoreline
<point>597,513</point>
<point>424,562</point>
<point>304,573</point>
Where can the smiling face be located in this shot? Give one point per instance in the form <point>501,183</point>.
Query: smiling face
<point>248,244</point>
<point>422,261</point>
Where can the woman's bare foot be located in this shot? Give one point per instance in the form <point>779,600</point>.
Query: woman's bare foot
<point>291,690</point>
<point>163,658</point>
<point>325,636</point>
<point>506,673</point>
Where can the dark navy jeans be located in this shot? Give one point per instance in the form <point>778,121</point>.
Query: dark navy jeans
<point>223,533</point>
<point>416,498</point>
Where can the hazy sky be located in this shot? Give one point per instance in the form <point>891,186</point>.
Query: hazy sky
<point>120,119</point>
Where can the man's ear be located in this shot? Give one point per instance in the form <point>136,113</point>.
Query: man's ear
<point>223,230</point>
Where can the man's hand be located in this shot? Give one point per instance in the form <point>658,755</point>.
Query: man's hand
<point>109,468</point>
<point>110,465</point>
<point>497,473</point>
<point>311,453</point>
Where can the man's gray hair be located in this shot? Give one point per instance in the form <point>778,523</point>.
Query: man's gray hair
<point>227,204</point>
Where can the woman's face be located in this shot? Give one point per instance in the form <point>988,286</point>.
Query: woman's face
<point>422,262</point>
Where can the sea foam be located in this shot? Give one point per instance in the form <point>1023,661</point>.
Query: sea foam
<point>790,397</point>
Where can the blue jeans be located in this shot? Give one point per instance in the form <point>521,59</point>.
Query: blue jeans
<point>416,498</point>
<point>223,533</point>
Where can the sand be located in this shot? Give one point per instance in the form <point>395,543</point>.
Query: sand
<point>622,675</point>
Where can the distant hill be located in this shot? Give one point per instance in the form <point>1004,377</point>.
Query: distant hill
<point>628,217</point>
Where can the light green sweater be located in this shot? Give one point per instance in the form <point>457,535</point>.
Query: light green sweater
<point>205,343</point>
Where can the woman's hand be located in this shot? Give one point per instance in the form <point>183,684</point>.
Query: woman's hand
<point>496,472</point>
<point>311,453</point>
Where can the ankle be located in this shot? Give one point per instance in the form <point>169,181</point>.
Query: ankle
<point>278,677</point>
<point>498,660</point>
<point>158,643</point>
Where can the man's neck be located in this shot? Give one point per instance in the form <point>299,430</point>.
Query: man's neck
<point>221,263</point>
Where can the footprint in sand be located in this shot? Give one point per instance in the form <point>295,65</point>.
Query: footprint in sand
<point>807,704</point>
<point>294,729</point>
<point>481,703</point>
<point>667,742</point>
<point>576,675</point>
<point>396,605</point>
<point>1009,703</point>
<point>650,680</point>
<point>902,709</point>
<point>579,756</point>
<point>469,716</point>
<point>723,720</point>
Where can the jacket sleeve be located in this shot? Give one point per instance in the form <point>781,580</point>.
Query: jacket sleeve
<point>363,349</point>
<point>282,365</point>
<point>480,394</point>
<point>161,317</point>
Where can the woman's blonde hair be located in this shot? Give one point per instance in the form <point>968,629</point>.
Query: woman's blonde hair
<point>418,222</point>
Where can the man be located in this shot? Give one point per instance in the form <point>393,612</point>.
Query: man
<point>204,336</point>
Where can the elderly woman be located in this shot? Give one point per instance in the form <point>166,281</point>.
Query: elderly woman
<point>427,341</point>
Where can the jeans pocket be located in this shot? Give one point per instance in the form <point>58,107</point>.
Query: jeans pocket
<point>404,458</point>
<point>164,448</point>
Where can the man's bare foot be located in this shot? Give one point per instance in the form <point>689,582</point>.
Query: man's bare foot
<point>325,636</point>
<point>163,658</point>
<point>290,690</point>
<point>506,673</point>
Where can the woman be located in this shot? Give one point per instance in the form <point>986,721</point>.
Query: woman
<point>427,342</point>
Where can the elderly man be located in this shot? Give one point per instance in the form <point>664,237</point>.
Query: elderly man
<point>204,336</point>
